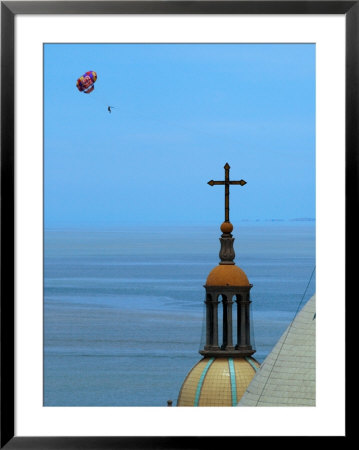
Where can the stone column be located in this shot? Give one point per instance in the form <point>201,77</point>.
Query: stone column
<point>227,323</point>
<point>248,323</point>
<point>211,322</point>
<point>243,325</point>
<point>215,324</point>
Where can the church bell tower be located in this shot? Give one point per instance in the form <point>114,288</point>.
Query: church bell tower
<point>221,377</point>
<point>230,284</point>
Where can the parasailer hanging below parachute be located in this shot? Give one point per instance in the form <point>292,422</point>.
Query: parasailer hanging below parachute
<point>86,82</point>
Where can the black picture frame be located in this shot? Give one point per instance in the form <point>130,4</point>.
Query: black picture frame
<point>9,9</point>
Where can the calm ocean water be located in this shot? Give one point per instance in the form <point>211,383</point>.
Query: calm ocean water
<point>124,309</point>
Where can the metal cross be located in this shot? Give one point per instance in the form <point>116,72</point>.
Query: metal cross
<point>226,183</point>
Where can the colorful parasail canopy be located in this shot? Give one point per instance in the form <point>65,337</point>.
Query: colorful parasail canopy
<point>86,82</point>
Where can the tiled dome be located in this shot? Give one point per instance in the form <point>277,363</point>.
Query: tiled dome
<point>227,275</point>
<point>287,375</point>
<point>217,381</point>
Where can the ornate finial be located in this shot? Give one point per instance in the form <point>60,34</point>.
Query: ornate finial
<point>227,251</point>
<point>226,183</point>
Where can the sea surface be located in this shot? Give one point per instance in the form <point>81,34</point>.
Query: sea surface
<point>124,313</point>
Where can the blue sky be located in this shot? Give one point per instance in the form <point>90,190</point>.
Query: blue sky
<point>181,112</point>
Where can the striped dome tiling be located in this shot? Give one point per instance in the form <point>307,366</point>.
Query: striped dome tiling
<point>217,381</point>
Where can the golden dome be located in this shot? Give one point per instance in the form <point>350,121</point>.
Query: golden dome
<point>227,275</point>
<point>217,381</point>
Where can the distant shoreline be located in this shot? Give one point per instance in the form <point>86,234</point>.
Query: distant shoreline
<point>162,227</point>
